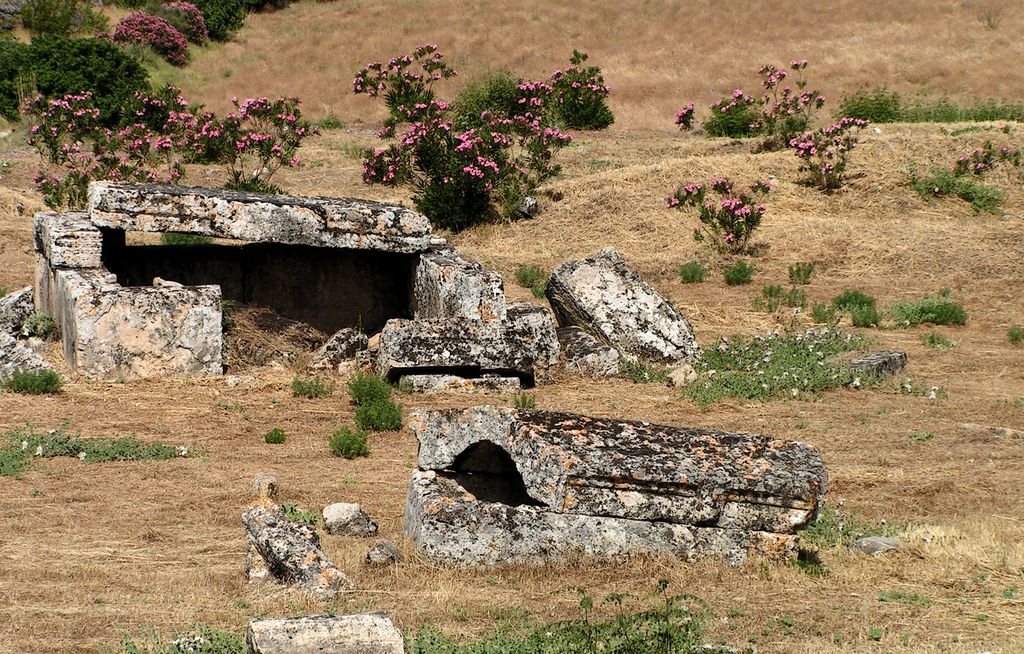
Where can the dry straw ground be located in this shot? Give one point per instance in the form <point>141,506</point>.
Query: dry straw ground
<point>89,552</point>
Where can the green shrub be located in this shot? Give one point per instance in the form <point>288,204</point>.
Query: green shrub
<point>222,16</point>
<point>62,17</point>
<point>178,238</point>
<point>942,181</point>
<point>311,387</point>
<point>878,105</point>
<point>1015,335</point>
<point>733,117</point>
<point>33,382</point>
<point>692,272</point>
<point>530,276</point>
<point>90,450</point>
<point>642,372</point>
<point>741,273</point>
<point>800,273</point>
<point>579,92</point>
<point>823,313</point>
<point>865,316</point>
<point>367,389</point>
<point>253,6</point>
<point>849,300</point>
<point>43,326</point>
<point>932,309</point>
<point>382,415</point>
<point>349,444</point>
<point>795,297</point>
<point>333,121</point>
<point>496,92</point>
<point>14,461</point>
<point>937,341</point>
<point>275,436</point>
<point>770,299</point>
<point>524,401</point>
<point>295,514</point>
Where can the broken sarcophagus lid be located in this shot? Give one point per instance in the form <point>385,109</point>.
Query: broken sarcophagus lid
<point>498,485</point>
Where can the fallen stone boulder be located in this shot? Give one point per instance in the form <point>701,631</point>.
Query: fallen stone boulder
<point>16,356</point>
<point>362,633</point>
<point>16,312</point>
<point>450,285</point>
<point>503,485</point>
<point>291,551</point>
<point>880,364</point>
<point>616,306</point>
<point>584,355</point>
<point>340,347</point>
<point>347,519</point>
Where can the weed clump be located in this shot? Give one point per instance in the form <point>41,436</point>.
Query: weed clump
<point>384,415</point>
<point>800,273</point>
<point>1015,335</point>
<point>741,273</point>
<point>368,389</point>
<point>524,401</point>
<point>932,309</point>
<point>275,436</point>
<point>33,382</point>
<point>349,444</point>
<point>692,272</point>
<point>311,387</point>
<point>295,514</point>
<point>643,372</point>
<point>533,278</point>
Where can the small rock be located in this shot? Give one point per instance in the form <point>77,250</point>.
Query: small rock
<point>343,345</point>
<point>234,381</point>
<point>528,208</point>
<point>383,552</point>
<point>264,484</point>
<point>159,281</point>
<point>365,633</point>
<point>682,375</point>
<point>348,519</point>
<point>875,545</point>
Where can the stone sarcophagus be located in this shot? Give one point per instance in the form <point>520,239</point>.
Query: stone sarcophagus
<point>497,485</point>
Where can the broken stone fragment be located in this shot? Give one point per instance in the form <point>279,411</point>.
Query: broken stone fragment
<point>17,355</point>
<point>68,240</point>
<point>431,384</point>
<point>292,551</point>
<point>875,545</point>
<point>383,552</point>
<point>584,355</point>
<point>346,519</point>
<point>340,347</point>
<point>16,312</point>
<point>450,285</point>
<point>365,633</point>
<point>264,485</point>
<point>616,306</point>
<point>880,364</point>
<point>321,222</point>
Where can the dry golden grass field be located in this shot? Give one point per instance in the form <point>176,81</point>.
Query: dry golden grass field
<point>90,552</point>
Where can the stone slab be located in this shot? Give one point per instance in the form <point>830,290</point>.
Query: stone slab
<point>364,633</point>
<point>68,240</point>
<point>17,310</point>
<point>451,285</point>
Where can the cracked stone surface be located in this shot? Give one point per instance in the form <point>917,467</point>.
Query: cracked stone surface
<point>450,285</point>
<point>68,240</point>
<point>17,310</point>
<point>363,633</point>
<point>322,222</point>
<point>291,551</point>
<point>625,475</point>
<point>880,364</point>
<point>341,347</point>
<point>584,355</point>
<point>18,355</point>
<point>610,301</point>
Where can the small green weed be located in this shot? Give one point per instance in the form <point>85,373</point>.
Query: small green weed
<point>201,639</point>
<point>915,599</point>
<point>33,382</point>
<point>800,273</point>
<point>1015,335</point>
<point>1010,593</point>
<point>349,444</point>
<point>532,277</point>
<point>524,401</point>
<point>275,436</point>
<point>823,314</point>
<point>865,316</point>
<point>383,415</point>
<point>311,387</point>
<point>367,389</point>
<point>875,634</point>
<point>852,299</point>
<point>330,121</point>
<point>43,326</point>
<point>692,272</point>
<point>741,273</point>
<point>921,436</point>
<point>295,514</point>
<point>179,238</point>
<point>642,372</point>
<point>937,341</point>
<point>931,309</point>
<point>834,528</point>
<point>795,298</point>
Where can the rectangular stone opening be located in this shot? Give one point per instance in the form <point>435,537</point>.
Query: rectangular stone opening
<point>326,288</point>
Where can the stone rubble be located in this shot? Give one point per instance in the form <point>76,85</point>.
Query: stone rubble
<point>449,285</point>
<point>340,347</point>
<point>364,633</point>
<point>18,355</point>
<point>347,519</point>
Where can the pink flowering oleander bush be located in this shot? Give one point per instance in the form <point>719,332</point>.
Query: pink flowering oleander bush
<point>457,175</point>
<point>732,116</point>
<point>728,221</point>
<point>140,28</point>
<point>787,110</point>
<point>684,117</point>
<point>825,153</point>
<point>985,158</point>
<point>187,19</point>
<point>578,95</point>
<point>157,134</point>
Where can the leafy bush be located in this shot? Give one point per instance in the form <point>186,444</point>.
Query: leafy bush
<point>741,273</point>
<point>852,299</point>
<point>222,16</point>
<point>729,222</point>
<point>367,389</point>
<point>295,514</point>
<point>865,316</point>
<point>496,93</point>
<point>684,117</point>
<point>62,17</point>
<point>800,273</point>
<point>534,278</point>
<point>786,112</point>
<point>825,153</point>
<point>578,95</point>
<point>42,326</point>
<point>937,341</point>
<point>186,18</point>
<point>732,116</point>
<point>692,272</point>
<point>942,181</point>
<point>932,309</point>
<point>266,5</point>
<point>382,415</point>
<point>275,436</point>
<point>878,105</point>
<point>90,450</point>
<point>349,444</point>
<point>153,32</point>
<point>823,313</point>
<point>33,382</point>
<point>311,387</point>
<point>1015,335</point>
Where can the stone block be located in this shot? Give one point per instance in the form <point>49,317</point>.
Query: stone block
<point>347,519</point>
<point>450,285</point>
<point>584,355</point>
<point>431,384</point>
<point>365,633</point>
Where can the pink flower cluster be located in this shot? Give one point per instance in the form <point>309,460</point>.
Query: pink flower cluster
<point>376,77</point>
<point>786,110</point>
<point>140,28</point>
<point>985,158</point>
<point>684,117</point>
<point>196,32</point>
<point>825,152</point>
<point>737,99</point>
<point>729,221</point>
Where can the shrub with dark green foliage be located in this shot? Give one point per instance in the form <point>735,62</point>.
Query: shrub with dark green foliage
<point>311,387</point>
<point>943,181</point>
<point>382,415</point>
<point>497,92</point>
<point>938,309</point>
<point>692,272</point>
<point>349,444</point>
<point>62,17</point>
<point>733,116</point>
<point>579,95</point>
<point>741,273</point>
<point>823,313</point>
<point>33,382</point>
<point>266,5</point>
<point>367,389</point>
<point>851,299</point>
<point>879,105</point>
<point>275,436</point>
<point>1015,335</point>
<point>222,17</point>
<point>534,278</point>
<point>865,316</point>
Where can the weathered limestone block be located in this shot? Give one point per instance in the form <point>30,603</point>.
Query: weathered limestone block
<point>880,364</point>
<point>364,633</point>
<point>17,355</point>
<point>383,552</point>
<point>525,345</point>
<point>292,551</point>
<point>449,526</point>
<point>347,519</point>
<point>68,240</point>
<point>431,384</point>
<point>615,305</point>
<point>16,311</point>
<point>344,345</point>
<point>322,222</point>
<point>535,468</point>
<point>449,285</point>
<point>111,331</point>
<point>584,355</point>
